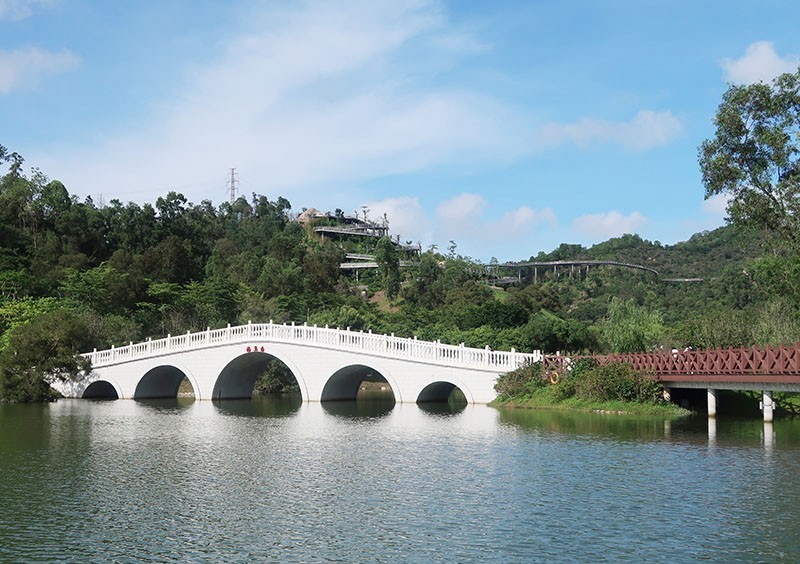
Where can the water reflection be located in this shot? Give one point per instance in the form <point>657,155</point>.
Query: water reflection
<point>164,404</point>
<point>365,407</point>
<point>274,479</point>
<point>712,431</point>
<point>628,427</point>
<point>272,405</point>
<point>769,437</point>
<point>442,408</point>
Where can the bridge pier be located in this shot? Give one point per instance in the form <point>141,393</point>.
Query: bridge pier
<point>712,403</point>
<point>767,406</point>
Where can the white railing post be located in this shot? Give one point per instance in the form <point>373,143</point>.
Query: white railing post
<point>208,335</point>
<point>228,333</point>
<point>486,358</point>
<point>113,353</point>
<point>513,359</point>
<point>249,329</point>
<point>169,342</point>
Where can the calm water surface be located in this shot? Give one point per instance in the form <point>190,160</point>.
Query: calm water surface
<point>245,481</point>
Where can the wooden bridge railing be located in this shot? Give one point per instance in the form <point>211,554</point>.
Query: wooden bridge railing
<point>768,361</point>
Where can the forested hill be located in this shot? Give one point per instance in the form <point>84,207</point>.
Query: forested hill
<point>705,255</point>
<point>75,275</point>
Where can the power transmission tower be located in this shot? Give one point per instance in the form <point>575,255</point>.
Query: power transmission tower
<point>232,185</point>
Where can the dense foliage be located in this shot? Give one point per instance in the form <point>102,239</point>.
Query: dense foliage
<point>754,157</point>
<point>77,275</point>
<point>587,384</point>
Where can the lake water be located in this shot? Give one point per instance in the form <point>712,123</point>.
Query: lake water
<point>275,480</point>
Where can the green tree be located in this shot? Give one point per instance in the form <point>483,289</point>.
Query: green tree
<point>630,328</point>
<point>426,288</point>
<point>388,260</point>
<point>754,155</point>
<point>40,352</point>
<point>321,267</point>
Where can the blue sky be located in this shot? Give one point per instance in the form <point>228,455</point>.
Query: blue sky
<point>509,126</point>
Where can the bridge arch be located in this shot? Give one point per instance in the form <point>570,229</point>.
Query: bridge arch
<point>238,378</point>
<point>344,383</point>
<point>440,391</point>
<point>163,381</point>
<point>102,389</point>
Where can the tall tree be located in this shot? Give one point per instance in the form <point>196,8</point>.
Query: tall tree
<point>388,260</point>
<point>754,157</point>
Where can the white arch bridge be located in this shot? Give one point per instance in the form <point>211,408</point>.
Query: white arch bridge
<point>328,364</point>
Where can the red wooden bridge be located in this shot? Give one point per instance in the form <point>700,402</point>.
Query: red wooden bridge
<point>767,369</point>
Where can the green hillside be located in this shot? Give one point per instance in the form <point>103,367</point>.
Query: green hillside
<point>75,275</point>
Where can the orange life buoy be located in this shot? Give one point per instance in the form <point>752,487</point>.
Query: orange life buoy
<point>554,377</point>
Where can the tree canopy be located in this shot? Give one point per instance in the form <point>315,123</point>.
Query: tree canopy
<point>754,157</point>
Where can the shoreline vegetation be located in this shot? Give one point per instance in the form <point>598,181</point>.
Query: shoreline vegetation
<point>588,386</point>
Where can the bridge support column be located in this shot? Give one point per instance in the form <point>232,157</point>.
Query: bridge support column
<point>712,403</point>
<point>767,406</point>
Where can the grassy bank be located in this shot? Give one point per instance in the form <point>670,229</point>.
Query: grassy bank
<point>587,387</point>
<point>545,399</point>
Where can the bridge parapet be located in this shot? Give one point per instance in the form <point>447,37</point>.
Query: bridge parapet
<point>777,362</point>
<point>413,349</point>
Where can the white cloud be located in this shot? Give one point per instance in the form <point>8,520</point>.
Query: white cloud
<point>519,222</point>
<point>716,205</point>
<point>23,67</point>
<point>460,219</point>
<point>406,217</point>
<point>610,224</point>
<point>460,212</point>
<point>16,10</point>
<point>647,129</point>
<point>460,43</point>
<point>760,63</point>
<point>321,95</point>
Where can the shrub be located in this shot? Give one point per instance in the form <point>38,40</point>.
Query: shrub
<point>521,381</point>
<point>618,382</point>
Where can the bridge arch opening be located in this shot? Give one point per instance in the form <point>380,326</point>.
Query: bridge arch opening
<point>100,390</point>
<point>163,382</point>
<point>255,374</point>
<point>443,393</point>
<point>358,382</point>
